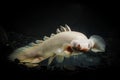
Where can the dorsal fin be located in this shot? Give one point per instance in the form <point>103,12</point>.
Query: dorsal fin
<point>38,41</point>
<point>58,31</point>
<point>45,38</point>
<point>67,27</point>
<point>52,35</point>
<point>63,29</point>
<point>32,44</point>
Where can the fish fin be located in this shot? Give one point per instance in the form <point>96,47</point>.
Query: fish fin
<point>67,27</point>
<point>38,60</point>
<point>45,38</point>
<point>32,62</point>
<point>29,60</point>
<point>58,30</point>
<point>52,35</point>
<point>30,65</point>
<point>18,53</point>
<point>59,58</point>
<point>97,43</point>
<point>32,44</point>
<point>51,59</point>
<point>63,29</point>
<point>24,53</point>
<point>38,41</point>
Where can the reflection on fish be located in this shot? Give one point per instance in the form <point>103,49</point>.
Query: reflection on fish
<point>64,44</point>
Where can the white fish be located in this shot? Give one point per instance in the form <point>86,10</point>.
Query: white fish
<point>63,44</point>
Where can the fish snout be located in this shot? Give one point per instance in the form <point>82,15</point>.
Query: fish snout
<point>80,46</point>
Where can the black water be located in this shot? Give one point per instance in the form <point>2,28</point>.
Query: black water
<point>21,24</point>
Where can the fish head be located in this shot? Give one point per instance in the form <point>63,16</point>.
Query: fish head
<point>81,45</point>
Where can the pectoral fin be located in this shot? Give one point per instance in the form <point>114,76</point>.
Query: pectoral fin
<point>51,59</point>
<point>97,43</point>
<point>60,58</point>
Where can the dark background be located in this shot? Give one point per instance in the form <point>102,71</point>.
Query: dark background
<point>37,20</point>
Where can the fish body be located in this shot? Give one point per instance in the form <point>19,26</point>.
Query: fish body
<point>59,41</point>
<point>63,44</point>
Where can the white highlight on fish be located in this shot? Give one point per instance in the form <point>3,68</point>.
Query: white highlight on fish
<point>65,43</point>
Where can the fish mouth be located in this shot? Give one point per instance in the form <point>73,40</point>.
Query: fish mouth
<point>79,49</point>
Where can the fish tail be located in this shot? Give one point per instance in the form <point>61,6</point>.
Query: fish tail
<point>27,55</point>
<point>18,54</point>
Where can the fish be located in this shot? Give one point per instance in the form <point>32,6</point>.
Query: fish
<point>64,44</point>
